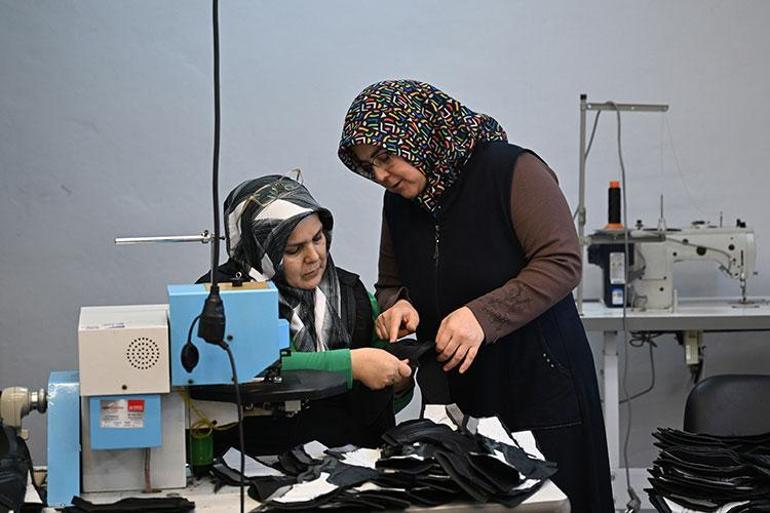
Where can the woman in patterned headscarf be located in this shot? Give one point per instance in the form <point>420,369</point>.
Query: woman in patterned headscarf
<point>277,231</point>
<point>479,253</point>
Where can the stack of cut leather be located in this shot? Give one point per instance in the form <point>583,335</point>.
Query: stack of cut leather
<point>421,462</point>
<point>697,472</point>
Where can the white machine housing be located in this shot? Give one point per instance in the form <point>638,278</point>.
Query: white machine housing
<point>123,350</point>
<point>651,276</point>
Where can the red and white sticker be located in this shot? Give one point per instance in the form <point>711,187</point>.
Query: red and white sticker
<point>121,413</point>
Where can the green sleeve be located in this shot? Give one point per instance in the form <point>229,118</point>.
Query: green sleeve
<point>335,360</point>
<point>376,341</point>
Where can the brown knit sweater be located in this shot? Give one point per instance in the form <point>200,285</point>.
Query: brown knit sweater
<point>543,224</point>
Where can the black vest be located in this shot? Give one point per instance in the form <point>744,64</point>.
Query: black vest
<point>466,250</point>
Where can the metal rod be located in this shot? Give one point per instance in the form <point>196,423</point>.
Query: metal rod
<point>582,195</point>
<point>585,106</point>
<point>632,107</point>
<point>203,238</point>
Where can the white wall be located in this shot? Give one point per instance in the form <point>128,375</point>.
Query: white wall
<point>106,127</point>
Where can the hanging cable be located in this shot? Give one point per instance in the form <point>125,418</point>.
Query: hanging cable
<point>634,503</point>
<point>588,148</point>
<point>226,347</point>
<point>640,339</point>
<point>211,324</point>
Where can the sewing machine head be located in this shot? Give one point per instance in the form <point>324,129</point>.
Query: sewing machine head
<point>653,252</point>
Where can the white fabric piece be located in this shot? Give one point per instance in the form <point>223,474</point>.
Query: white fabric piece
<point>491,427</point>
<point>281,209</point>
<point>234,224</point>
<point>296,322</point>
<point>437,413</point>
<point>252,467</point>
<point>371,487</point>
<point>362,457</point>
<point>309,490</point>
<point>676,508</point>
<point>31,496</point>
<point>315,449</point>
<point>526,441</point>
<point>321,344</point>
<point>257,275</point>
<point>417,457</point>
<point>529,483</point>
<point>267,266</point>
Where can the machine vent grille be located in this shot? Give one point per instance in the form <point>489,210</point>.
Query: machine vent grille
<point>143,353</point>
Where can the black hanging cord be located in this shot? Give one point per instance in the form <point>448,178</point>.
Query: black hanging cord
<point>211,327</point>
<point>215,169</point>
<point>226,347</point>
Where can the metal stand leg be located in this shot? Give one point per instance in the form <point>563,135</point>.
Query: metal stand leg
<point>612,401</point>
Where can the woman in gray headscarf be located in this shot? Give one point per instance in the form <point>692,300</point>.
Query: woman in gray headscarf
<point>277,231</point>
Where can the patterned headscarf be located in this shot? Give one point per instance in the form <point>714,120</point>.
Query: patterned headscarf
<point>260,216</point>
<point>421,124</point>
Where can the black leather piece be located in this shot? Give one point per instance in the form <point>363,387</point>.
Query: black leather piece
<point>516,497</point>
<point>381,499</point>
<point>678,437</point>
<point>132,505</point>
<point>707,471</point>
<point>340,474</point>
<point>406,465</point>
<point>430,496</point>
<point>15,466</point>
<point>429,489</point>
<point>412,350</point>
<point>423,430</point>
<point>344,475</point>
<point>657,502</point>
<point>262,488</point>
<point>520,460</point>
<point>291,465</point>
<point>459,469</point>
<point>226,476</point>
<point>422,463</point>
<point>501,476</point>
<point>423,450</point>
<point>756,506</point>
<point>340,452</point>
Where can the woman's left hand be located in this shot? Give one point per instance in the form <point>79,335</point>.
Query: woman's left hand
<point>458,339</point>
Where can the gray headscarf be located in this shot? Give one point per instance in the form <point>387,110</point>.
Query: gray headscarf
<point>260,215</point>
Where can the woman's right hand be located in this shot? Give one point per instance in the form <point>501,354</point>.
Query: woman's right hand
<point>399,320</point>
<point>377,368</point>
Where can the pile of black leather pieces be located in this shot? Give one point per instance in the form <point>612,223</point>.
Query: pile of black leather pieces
<point>421,463</point>
<point>133,505</point>
<point>725,474</point>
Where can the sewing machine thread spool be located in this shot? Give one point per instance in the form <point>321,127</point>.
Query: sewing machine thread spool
<point>613,207</point>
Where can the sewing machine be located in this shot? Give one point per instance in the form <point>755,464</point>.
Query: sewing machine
<point>653,252</point>
<point>120,422</point>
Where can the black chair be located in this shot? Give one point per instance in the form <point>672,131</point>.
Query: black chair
<point>729,405</point>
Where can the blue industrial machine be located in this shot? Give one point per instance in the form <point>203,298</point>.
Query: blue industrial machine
<point>119,422</point>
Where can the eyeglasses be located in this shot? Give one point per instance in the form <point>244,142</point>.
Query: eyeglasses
<point>283,186</point>
<point>383,159</point>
